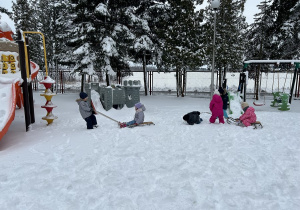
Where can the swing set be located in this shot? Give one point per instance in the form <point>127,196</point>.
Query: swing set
<point>294,79</point>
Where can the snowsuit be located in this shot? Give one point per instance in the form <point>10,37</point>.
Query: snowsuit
<point>87,113</point>
<point>216,108</point>
<point>225,102</point>
<point>249,116</point>
<point>138,116</point>
<point>192,118</point>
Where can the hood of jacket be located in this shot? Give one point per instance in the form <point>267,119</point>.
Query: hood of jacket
<point>217,98</point>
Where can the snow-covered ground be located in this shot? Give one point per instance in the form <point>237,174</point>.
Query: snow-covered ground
<point>168,166</point>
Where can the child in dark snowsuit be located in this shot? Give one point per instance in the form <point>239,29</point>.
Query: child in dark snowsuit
<point>138,117</point>
<point>86,111</point>
<point>224,96</point>
<point>216,108</point>
<point>192,118</point>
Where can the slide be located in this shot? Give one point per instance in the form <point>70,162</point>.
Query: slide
<point>11,96</point>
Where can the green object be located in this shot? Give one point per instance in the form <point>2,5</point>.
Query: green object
<point>230,97</point>
<point>284,105</point>
<point>277,99</point>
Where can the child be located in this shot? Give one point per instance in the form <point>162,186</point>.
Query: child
<point>224,96</point>
<point>192,118</point>
<point>249,116</point>
<point>216,108</point>
<point>86,111</point>
<point>138,117</point>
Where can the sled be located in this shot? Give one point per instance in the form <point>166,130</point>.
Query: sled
<point>136,125</point>
<point>255,125</point>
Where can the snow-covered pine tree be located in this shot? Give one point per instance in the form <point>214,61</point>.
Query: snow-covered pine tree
<point>102,35</point>
<point>230,36</point>
<point>83,37</point>
<point>259,44</point>
<point>145,45</point>
<point>5,11</point>
<point>63,27</point>
<point>26,19</point>
<point>177,30</point>
<point>286,29</point>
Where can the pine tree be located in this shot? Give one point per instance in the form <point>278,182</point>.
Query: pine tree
<point>177,30</point>
<point>25,18</point>
<point>5,11</point>
<point>286,29</point>
<point>230,36</point>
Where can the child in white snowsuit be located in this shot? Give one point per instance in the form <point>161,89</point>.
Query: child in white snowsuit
<point>138,116</point>
<point>86,111</point>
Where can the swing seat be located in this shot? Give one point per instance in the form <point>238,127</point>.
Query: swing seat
<point>258,103</point>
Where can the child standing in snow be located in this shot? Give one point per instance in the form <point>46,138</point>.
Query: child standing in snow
<point>249,116</point>
<point>86,111</point>
<point>216,108</point>
<point>224,96</point>
<point>192,118</point>
<point>138,117</point>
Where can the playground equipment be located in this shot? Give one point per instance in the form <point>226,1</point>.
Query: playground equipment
<point>296,64</point>
<point>47,82</point>
<point>280,100</point>
<point>16,71</point>
<point>117,96</point>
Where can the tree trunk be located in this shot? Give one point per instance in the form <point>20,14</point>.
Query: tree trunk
<point>183,83</point>
<point>224,79</point>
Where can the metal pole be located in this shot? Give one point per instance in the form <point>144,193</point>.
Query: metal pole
<point>213,59</point>
<point>24,74</point>
<point>297,65</point>
<point>29,86</point>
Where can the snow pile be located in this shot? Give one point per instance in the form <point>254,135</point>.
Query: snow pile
<point>47,79</point>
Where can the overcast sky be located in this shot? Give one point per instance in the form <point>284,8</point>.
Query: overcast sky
<point>250,10</point>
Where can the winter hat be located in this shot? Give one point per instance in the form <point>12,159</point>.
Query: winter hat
<point>244,104</point>
<point>138,105</point>
<point>221,91</point>
<point>216,92</point>
<point>83,95</point>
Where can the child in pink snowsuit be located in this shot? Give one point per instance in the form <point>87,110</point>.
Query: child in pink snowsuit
<point>216,108</point>
<point>249,116</point>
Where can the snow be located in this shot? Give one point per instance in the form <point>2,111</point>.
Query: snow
<point>5,98</point>
<point>4,26</point>
<point>5,103</point>
<point>273,61</point>
<point>102,9</point>
<point>48,79</point>
<point>170,165</point>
